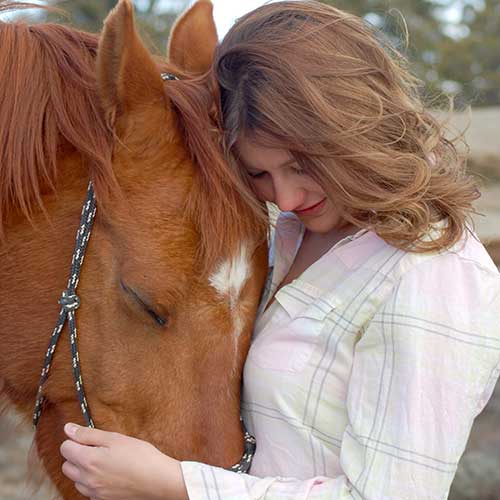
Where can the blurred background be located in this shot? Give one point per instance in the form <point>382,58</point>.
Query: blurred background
<point>454,48</point>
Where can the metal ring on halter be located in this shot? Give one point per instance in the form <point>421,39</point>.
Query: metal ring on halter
<point>168,76</point>
<point>250,446</point>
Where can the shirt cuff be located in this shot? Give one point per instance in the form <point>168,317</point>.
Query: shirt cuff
<point>206,482</point>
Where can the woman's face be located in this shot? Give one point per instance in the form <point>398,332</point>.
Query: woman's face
<point>276,177</point>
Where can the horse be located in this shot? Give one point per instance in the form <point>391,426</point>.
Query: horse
<point>176,262</point>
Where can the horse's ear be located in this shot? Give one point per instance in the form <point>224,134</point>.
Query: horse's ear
<point>193,38</point>
<point>127,75</point>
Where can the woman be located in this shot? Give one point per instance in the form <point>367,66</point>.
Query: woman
<point>376,343</point>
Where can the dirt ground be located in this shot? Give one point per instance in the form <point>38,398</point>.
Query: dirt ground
<point>487,223</point>
<point>480,129</point>
<point>14,448</point>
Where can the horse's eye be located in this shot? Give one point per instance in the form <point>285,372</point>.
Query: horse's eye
<point>161,320</point>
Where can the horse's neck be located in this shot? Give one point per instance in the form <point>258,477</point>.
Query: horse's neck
<point>34,265</point>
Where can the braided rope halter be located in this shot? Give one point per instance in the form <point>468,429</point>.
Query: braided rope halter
<point>70,302</point>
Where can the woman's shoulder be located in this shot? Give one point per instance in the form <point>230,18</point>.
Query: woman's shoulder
<point>457,286</point>
<point>374,253</point>
<point>462,271</point>
<point>467,256</point>
<point>365,257</point>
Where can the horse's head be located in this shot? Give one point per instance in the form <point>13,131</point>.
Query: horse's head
<point>174,267</point>
<point>170,326</point>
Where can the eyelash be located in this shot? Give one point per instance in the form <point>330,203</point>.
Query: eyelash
<point>256,176</point>
<point>297,170</point>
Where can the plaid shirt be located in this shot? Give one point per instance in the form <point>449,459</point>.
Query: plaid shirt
<point>365,374</point>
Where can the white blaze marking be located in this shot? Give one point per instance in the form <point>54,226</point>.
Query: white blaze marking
<point>231,276</point>
<point>229,280</point>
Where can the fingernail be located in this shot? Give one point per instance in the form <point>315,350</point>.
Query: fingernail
<point>70,429</point>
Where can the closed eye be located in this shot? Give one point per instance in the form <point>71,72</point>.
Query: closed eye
<point>158,318</point>
<point>256,175</point>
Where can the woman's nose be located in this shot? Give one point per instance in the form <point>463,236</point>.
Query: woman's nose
<point>288,196</point>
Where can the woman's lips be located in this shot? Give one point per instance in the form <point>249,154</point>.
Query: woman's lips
<point>313,210</point>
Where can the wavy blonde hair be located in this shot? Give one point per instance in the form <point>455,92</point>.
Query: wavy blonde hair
<point>323,84</point>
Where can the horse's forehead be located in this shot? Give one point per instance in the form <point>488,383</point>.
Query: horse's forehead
<point>229,279</point>
<point>231,275</point>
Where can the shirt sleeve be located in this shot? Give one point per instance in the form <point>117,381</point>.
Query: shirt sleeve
<point>424,368</point>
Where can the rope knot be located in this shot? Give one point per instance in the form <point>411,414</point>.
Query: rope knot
<point>69,301</point>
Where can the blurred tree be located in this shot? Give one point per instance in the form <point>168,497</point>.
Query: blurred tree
<point>414,27</point>
<point>464,61</point>
<point>154,20</point>
<point>473,61</point>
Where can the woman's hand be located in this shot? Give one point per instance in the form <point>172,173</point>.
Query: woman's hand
<point>108,466</point>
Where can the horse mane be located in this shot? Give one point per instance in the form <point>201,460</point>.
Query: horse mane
<point>49,96</point>
<point>223,216</point>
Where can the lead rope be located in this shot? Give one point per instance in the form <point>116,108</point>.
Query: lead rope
<point>69,304</point>
<point>250,445</point>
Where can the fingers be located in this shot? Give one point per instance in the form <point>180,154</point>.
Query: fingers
<point>83,490</point>
<point>75,474</point>
<point>83,453</point>
<point>77,466</point>
<point>71,471</point>
<point>87,435</point>
<point>76,453</point>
